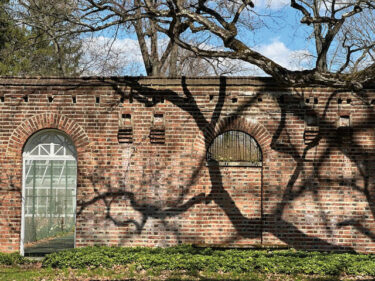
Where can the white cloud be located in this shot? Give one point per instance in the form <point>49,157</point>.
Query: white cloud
<point>107,56</point>
<point>291,59</point>
<point>281,54</point>
<point>273,4</point>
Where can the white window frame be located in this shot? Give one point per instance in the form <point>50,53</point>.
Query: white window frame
<point>69,154</point>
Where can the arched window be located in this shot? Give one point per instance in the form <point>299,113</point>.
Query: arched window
<point>234,148</point>
<point>49,193</point>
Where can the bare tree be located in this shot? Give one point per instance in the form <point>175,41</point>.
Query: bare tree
<point>211,29</point>
<point>160,54</point>
<point>357,46</point>
<point>328,19</point>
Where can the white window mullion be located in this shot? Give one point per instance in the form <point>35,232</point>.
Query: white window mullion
<point>62,171</point>
<point>28,162</point>
<point>45,171</point>
<point>39,155</point>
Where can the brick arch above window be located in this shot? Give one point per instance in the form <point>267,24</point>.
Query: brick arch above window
<point>247,125</point>
<point>46,121</point>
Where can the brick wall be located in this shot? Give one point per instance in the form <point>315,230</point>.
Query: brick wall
<point>315,189</point>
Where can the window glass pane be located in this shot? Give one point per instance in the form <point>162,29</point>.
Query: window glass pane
<point>59,149</point>
<point>35,151</point>
<point>50,143</point>
<point>45,149</point>
<point>50,187</point>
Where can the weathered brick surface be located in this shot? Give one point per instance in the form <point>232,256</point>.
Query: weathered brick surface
<point>315,189</point>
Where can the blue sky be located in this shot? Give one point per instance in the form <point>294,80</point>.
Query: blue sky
<point>283,39</point>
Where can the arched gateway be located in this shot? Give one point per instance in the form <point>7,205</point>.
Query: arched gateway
<point>48,193</point>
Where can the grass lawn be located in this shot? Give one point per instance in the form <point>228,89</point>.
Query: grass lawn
<point>186,262</point>
<point>36,272</point>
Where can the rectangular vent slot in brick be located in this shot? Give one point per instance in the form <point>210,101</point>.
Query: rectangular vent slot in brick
<point>2,99</point>
<point>310,135</point>
<point>157,135</point>
<point>50,99</point>
<point>25,98</point>
<point>126,120</point>
<point>97,99</point>
<point>125,135</point>
<point>344,121</point>
<point>157,131</point>
<point>74,99</point>
<point>158,120</point>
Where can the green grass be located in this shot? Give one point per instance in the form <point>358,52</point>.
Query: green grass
<point>189,258</point>
<point>188,263</point>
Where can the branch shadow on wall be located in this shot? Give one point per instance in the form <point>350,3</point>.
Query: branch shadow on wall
<point>245,227</point>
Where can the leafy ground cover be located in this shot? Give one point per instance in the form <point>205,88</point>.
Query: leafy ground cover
<point>12,259</point>
<point>188,263</point>
<point>190,258</point>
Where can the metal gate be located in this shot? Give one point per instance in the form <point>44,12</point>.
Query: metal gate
<point>234,148</point>
<point>49,193</point>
